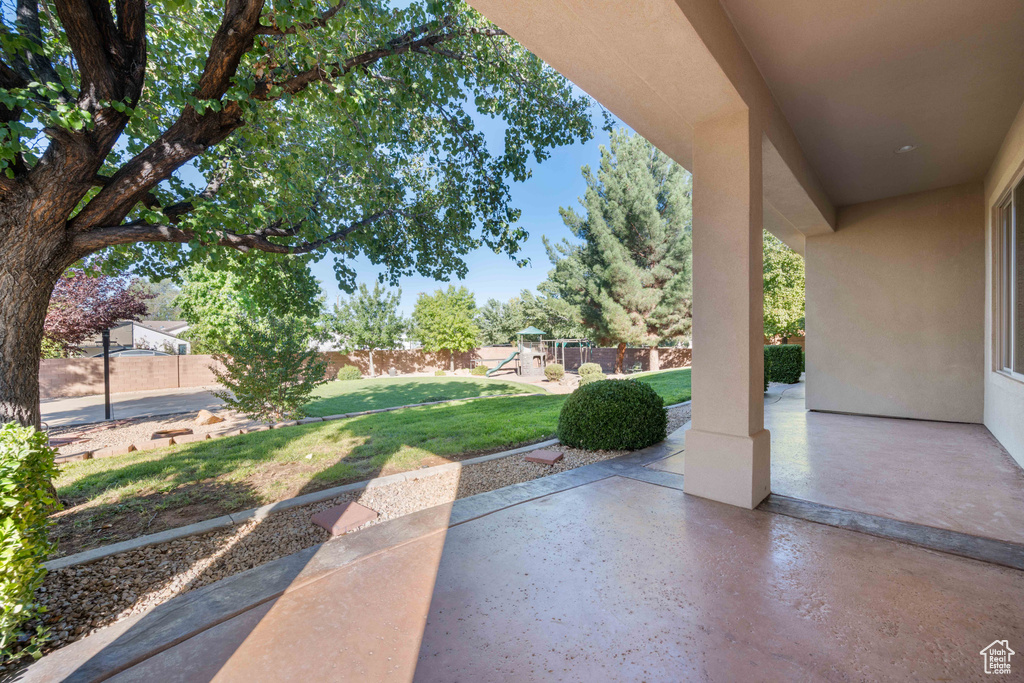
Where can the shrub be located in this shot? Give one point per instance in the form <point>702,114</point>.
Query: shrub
<point>610,415</point>
<point>554,372</point>
<point>479,370</point>
<point>783,363</point>
<point>590,369</point>
<point>349,372</point>
<point>270,367</point>
<point>439,373</point>
<point>26,498</point>
<point>592,377</point>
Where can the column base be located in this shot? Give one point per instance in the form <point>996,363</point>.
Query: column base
<point>727,468</point>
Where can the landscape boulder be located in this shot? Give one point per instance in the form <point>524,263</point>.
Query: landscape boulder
<point>205,417</point>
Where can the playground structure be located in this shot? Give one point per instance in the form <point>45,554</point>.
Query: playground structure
<point>530,357</point>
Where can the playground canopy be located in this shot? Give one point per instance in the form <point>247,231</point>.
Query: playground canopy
<point>531,330</point>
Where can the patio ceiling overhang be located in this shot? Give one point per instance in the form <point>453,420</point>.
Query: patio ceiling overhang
<point>663,67</point>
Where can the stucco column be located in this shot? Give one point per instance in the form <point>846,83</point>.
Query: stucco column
<point>728,449</point>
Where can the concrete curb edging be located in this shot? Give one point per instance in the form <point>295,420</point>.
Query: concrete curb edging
<point>262,512</point>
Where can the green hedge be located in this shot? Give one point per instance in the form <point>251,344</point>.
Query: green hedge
<point>783,363</point>
<point>592,377</point>
<point>26,498</point>
<point>480,370</point>
<point>349,372</point>
<point>612,415</point>
<point>590,369</point>
<point>554,372</point>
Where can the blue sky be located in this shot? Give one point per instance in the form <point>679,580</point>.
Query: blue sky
<point>556,182</point>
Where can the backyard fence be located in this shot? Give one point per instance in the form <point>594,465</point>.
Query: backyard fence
<point>67,377</point>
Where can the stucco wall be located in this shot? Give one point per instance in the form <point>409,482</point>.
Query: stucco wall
<point>896,308</point>
<point>1004,396</point>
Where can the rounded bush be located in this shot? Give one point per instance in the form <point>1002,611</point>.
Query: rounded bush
<point>592,377</point>
<point>479,370</point>
<point>612,415</point>
<point>590,369</point>
<point>349,372</point>
<point>783,363</point>
<point>439,373</point>
<point>554,372</point>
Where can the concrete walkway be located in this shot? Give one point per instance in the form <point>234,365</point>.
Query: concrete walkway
<point>60,412</point>
<point>608,572</point>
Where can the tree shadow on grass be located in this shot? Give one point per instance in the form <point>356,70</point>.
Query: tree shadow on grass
<point>190,483</point>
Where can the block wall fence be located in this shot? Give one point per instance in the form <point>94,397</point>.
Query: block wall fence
<point>68,377</point>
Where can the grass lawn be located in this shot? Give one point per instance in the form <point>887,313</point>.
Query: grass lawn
<point>671,385</point>
<point>350,396</point>
<point>113,499</point>
<point>148,491</point>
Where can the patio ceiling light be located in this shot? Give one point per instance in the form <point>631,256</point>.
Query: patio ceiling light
<point>904,149</point>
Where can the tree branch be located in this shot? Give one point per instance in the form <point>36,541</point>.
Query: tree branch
<point>28,26</point>
<point>272,30</point>
<point>94,240</point>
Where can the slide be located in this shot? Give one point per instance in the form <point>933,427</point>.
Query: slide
<point>503,363</point>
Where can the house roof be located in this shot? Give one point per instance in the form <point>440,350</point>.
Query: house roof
<point>171,327</point>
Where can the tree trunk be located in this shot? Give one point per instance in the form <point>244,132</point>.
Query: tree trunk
<point>620,357</point>
<point>372,373</point>
<point>451,355</point>
<point>29,268</point>
<point>655,360</point>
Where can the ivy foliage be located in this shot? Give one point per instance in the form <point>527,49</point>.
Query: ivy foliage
<point>26,499</point>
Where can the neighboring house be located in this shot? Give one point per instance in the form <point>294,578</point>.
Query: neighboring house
<point>155,335</point>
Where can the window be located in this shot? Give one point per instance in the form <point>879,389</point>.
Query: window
<point>182,349</point>
<point>1011,283</point>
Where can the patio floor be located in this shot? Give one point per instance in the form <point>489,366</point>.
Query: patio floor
<point>939,474</point>
<point>610,572</point>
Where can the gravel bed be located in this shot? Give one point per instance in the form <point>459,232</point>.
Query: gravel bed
<point>84,598</point>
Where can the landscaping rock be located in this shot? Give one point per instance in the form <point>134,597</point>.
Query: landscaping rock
<point>544,456</point>
<point>343,518</point>
<point>205,417</point>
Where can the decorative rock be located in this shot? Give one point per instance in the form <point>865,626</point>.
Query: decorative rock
<point>343,518</point>
<point>163,434</point>
<point>544,456</point>
<point>111,451</point>
<point>205,417</point>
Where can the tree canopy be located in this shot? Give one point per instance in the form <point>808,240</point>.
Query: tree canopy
<point>369,319</point>
<point>84,303</point>
<point>446,321</point>
<point>783,288</point>
<point>177,132</point>
<point>630,272</point>
<point>213,300</point>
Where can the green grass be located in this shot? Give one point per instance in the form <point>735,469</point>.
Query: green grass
<point>147,491</point>
<point>336,398</point>
<point>672,385</point>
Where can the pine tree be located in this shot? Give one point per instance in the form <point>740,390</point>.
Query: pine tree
<point>630,275</point>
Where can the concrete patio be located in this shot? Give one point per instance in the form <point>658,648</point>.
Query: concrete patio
<point>611,572</point>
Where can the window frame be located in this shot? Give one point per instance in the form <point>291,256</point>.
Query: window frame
<point>1010,212</point>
